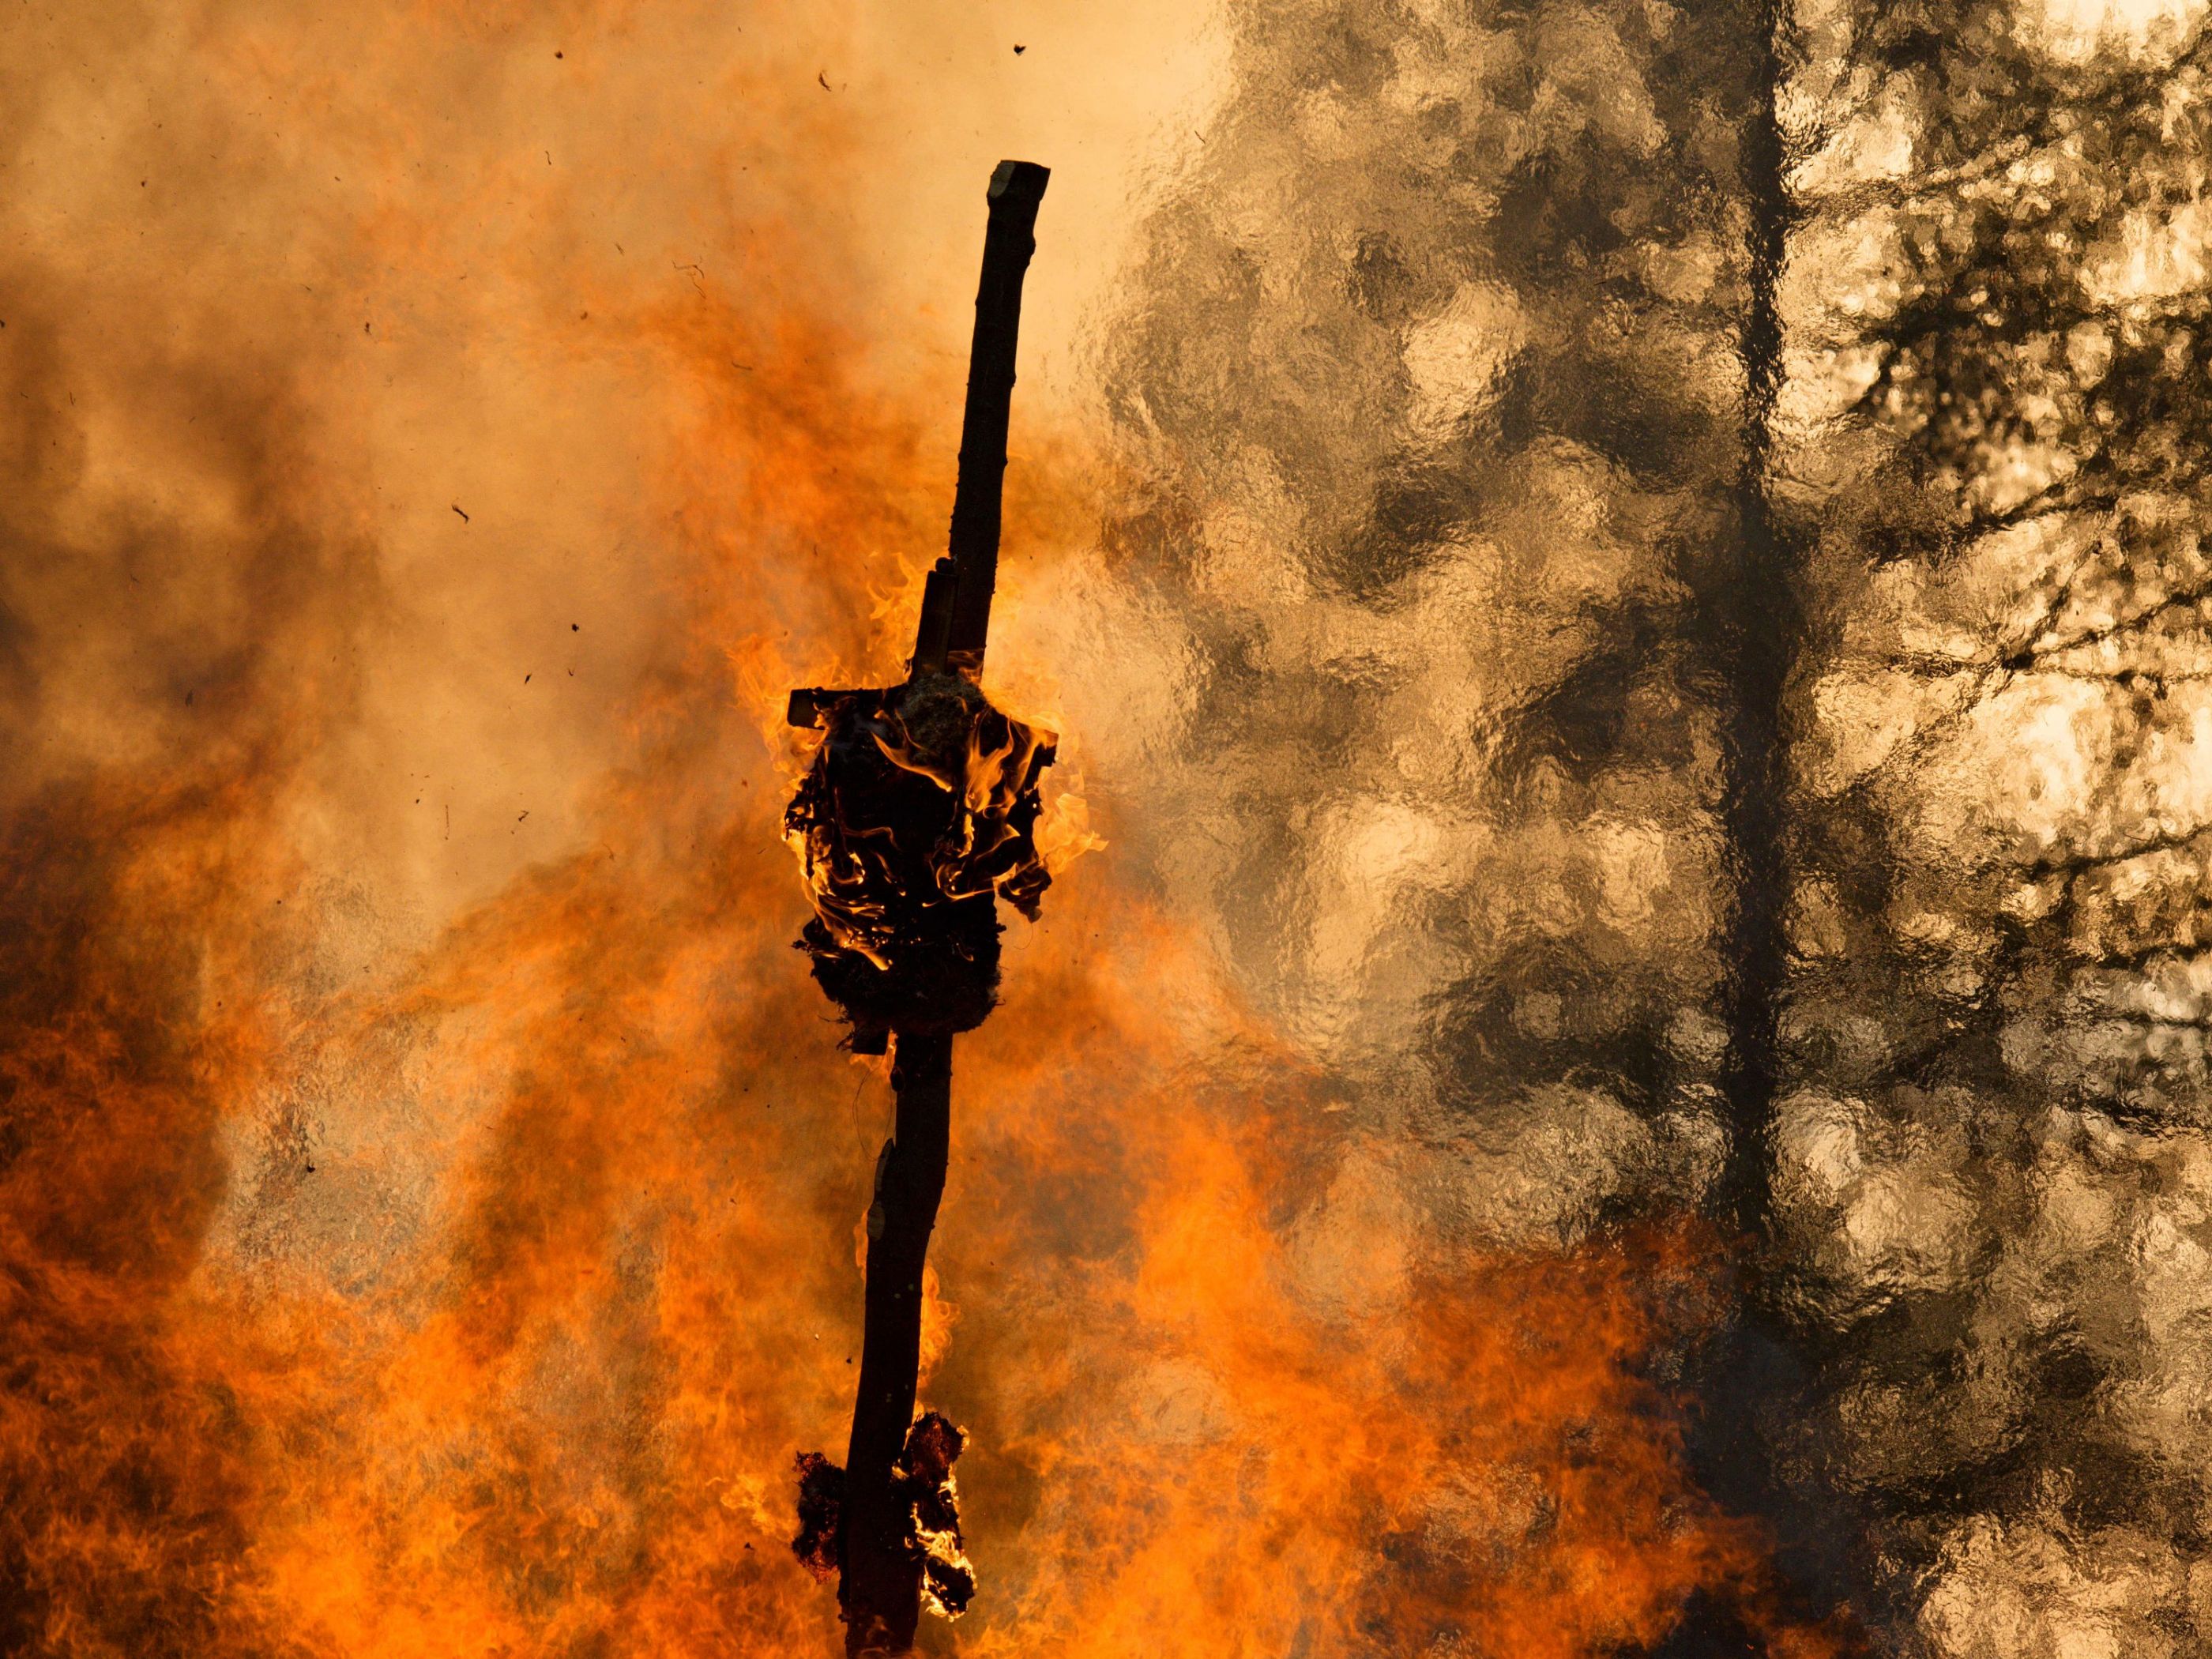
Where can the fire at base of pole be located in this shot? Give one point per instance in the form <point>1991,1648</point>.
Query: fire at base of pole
<point>928,1500</point>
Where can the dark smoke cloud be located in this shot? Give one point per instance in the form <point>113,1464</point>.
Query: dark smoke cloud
<point>1432,369</point>
<point>1432,358</point>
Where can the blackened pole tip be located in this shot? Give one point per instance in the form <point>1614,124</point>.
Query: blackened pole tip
<point>955,636</point>
<point>1020,179</point>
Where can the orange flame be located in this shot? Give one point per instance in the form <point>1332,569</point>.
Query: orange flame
<point>373,1299</point>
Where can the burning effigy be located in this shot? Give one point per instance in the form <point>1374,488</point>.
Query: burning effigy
<point>918,814</point>
<point>919,808</point>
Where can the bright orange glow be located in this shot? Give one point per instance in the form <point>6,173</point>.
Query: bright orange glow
<point>464,1282</point>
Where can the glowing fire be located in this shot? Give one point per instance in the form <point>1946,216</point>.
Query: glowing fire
<point>970,824</point>
<point>367,1296</point>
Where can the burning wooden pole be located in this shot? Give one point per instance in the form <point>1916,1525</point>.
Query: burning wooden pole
<point>917,817</point>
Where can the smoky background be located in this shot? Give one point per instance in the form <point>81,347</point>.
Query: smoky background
<point>1446,500</point>
<point>428,1179</point>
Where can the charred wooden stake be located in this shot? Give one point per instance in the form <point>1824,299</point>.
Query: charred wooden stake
<point>882,1568</point>
<point>916,818</point>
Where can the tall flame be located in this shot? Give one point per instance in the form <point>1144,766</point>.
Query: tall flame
<point>427,1170</point>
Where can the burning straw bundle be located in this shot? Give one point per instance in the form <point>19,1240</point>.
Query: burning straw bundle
<point>914,819</point>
